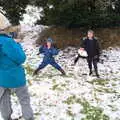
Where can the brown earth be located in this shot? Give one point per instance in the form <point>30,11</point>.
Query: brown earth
<point>63,37</point>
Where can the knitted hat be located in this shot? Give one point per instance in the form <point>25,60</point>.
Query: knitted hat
<point>6,27</point>
<point>50,40</point>
<point>4,22</point>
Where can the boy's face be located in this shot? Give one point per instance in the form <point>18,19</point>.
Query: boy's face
<point>49,44</point>
<point>90,35</point>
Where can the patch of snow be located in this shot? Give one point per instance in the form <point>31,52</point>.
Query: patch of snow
<point>31,16</point>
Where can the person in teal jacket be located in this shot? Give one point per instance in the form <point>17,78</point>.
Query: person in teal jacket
<point>49,52</point>
<point>11,57</point>
<point>12,77</point>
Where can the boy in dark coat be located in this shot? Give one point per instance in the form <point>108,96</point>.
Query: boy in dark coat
<point>92,47</point>
<point>49,52</point>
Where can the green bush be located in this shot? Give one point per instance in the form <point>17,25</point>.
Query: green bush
<point>80,14</point>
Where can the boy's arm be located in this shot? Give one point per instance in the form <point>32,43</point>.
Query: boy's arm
<point>83,42</point>
<point>98,45</point>
<point>41,49</point>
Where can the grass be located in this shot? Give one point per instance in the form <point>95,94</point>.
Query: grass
<point>70,100</point>
<point>90,112</point>
<point>93,113</point>
<point>59,87</point>
<point>28,69</point>
<point>105,90</point>
<point>101,82</point>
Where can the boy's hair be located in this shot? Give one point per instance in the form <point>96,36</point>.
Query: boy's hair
<point>90,31</point>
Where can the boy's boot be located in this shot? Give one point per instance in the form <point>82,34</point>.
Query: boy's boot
<point>36,72</point>
<point>63,72</point>
<point>76,59</point>
<point>96,72</point>
<point>90,73</point>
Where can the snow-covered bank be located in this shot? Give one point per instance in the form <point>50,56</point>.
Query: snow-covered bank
<point>56,97</point>
<point>31,16</point>
<point>75,96</point>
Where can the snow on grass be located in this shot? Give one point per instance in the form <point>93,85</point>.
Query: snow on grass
<point>75,96</point>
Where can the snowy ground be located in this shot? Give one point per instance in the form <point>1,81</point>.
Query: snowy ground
<point>75,96</point>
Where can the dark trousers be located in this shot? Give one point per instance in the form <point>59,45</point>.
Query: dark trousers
<point>92,61</point>
<point>53,63</point>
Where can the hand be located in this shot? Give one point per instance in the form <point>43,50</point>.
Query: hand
<point>17,40</point>
<point>81,48</point>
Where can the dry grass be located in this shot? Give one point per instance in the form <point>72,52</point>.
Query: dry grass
<point>71,37</point>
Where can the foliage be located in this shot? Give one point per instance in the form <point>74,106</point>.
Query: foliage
<point>80,13</point>
<point>14,9</point>
<point>68,13</point>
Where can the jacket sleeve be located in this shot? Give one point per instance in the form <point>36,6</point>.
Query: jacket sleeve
<point>14,51</point>
<point>41,49</point>
<point>98,46</point>
<point>83,43</point>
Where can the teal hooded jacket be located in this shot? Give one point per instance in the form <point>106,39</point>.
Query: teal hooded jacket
<point>12,56</point>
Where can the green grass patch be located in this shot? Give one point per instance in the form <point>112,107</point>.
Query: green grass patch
<point>28,69</point>
<point>90,112</point>
<point>101,82</point>
<point>93,113</point>
<point>59,87</point>
<point>105,90</point>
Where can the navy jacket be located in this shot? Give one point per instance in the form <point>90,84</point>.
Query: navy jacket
<point>91,46</point>
<point>48,53</point>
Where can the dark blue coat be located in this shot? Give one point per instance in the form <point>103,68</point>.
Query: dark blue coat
<point>91,46</point>
<point>48,53</point>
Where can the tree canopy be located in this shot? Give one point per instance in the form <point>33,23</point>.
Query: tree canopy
<point>68,13</point>
<point>14,9</point>
<point>80,13</point>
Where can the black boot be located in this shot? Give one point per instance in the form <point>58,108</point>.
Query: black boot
<point>76,59</point>
<point>97,75</point>
<point>36,72</point>
<point>90,73</point>
<point>63,72</point>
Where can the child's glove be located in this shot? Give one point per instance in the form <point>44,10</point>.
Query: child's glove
<point>38,53</point>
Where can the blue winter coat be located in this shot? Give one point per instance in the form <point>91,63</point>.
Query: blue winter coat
<point>12,74</point>
<point>48,53</point>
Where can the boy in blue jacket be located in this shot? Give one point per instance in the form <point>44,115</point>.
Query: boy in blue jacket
<point>49,52</point>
